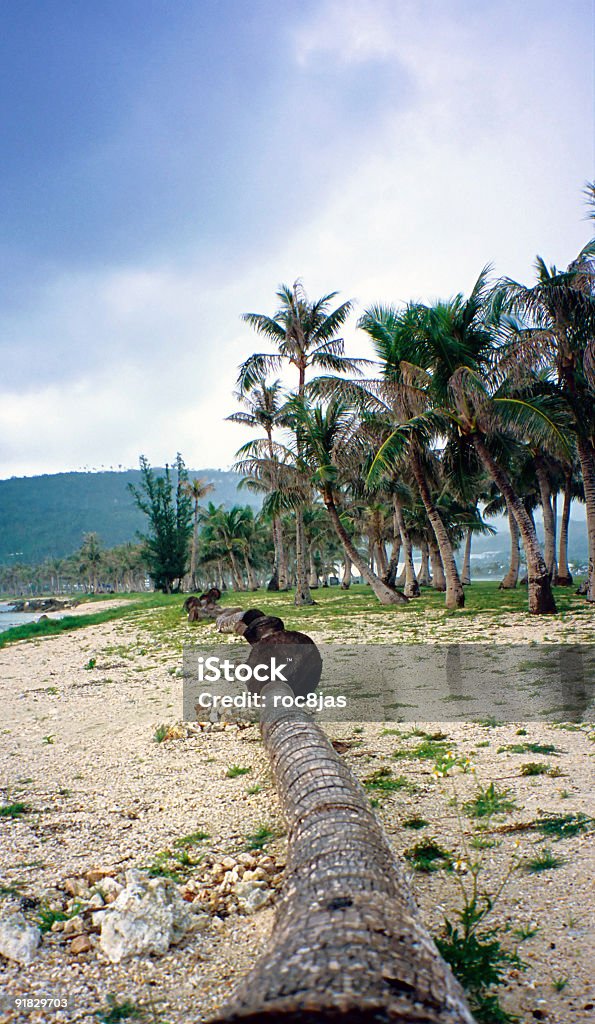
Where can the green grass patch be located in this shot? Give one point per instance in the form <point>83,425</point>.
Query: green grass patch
<point>564,826</point>
<point>529,748</point>
<point>535,768</point>
<point>489,800</point>
<point>383,781</point>
<point>15,810</point>
<point>428,855</point>
<point>236,770</point>
<point>416,823</point>
<point>543,861</point>
<point>258,840</point>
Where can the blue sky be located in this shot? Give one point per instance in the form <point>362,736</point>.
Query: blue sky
<point>166,165</point>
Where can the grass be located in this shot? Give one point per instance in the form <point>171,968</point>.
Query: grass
<point>115,1011</point>
<point>47,917</point>
<point>488,801</point>
<point>428,855</point>
<point>257,840</point>
<point>564,826</point>
<point>383,781</point>
<point>236,770</point>
<point>14,810</point>
<point>529,748</point>
<point>545,860</point>
<point>192,839</point>
<point>427,750</point>
<point>535,768</point>
<point>415,823</point>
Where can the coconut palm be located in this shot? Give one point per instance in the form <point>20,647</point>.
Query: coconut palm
<point>196,489</point>
<point>305,335</point>
<point>327,440</point>
<point>264,409</point>
<point>558,331</point>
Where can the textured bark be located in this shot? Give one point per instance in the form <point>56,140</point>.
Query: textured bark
<point>280,556</point>
<point>455,595</point>
<point>564,577</point>
<point>348,944</point>
<point>250,574</point>
<point>466,571</point>
<point>381,559</point>
<point>425,580</point>
<point>541,598</point>
<point>512,576</point>
<point>313,574</point>
<point>384,594</point>
<point>346,580</point>
<point>236,575</point>
<point>587,460</point>
<point>302,590</point>
<point>549,525</point>
<point>438,577</point>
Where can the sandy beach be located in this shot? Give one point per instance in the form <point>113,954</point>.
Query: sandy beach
<point>80,715</point>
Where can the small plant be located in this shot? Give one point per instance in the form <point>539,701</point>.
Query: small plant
<point>544,861</point>
<point>428,856</point>
<point>427,750</point>
<point>559,984</point>
<point>192,839</point>
<point>47,917</point>
<point>528,748</point>
<point>235,770</point>
<point>159,868</point>
<point>535,768</point>
<point>48,740</point>
<point>415,823</point>
<point>488,801</point>
<point>115,1011</point>
<point>253,790</point>
<point>90,664</point>
<point>525,932</point>
<point>258,840</point>
<point>521,732</point>
<point>13,810</point>
<point>382,781</point>
<point>490,722</point>
<point>564,826</point>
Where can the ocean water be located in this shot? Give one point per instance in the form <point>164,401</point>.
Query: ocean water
<point>8,618</point>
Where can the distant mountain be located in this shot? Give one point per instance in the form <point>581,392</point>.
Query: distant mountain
<point>46,516</point>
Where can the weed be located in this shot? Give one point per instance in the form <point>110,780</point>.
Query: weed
<point>564,826</point>
<point>258,840</point>
<point>535,768</point>
<point>48,740</point>
<point>13,810</point>
<point>90,664</point>
<point>526,931</point>
<point>428,856</point>
<point>521,732</point>
<point>160,868</point>
<point>235,770</point>
<point>115,1011</point>
<point>545,860</point>
<point>47,917</point>
<point>415,823</point>
<point>427,750</point>
<point>559,984</point>
<point>488,801</point>
<point>529,748</point>
<point>382,780</point>
<point>192,839</point>
<point>253,790</point>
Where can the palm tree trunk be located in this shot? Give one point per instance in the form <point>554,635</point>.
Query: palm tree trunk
<point>564,577</point>
<point>549,526</point>
<point>466,571</point>
<point>236,574</point>
<point>586,456</point>
<point>280,555</point>
<point>541,598</point>
<point>313,575</point>
<point>346,580</point>
<point>512,576</point>
<point>424,578</point>
<point>384,594</point>
<point>252,581</point>
<point>302,590</point>
<point>381,559</point>
<point>438,577</point>
<point>455,595</point>
<point>348,943</point>
<point>194,548</point>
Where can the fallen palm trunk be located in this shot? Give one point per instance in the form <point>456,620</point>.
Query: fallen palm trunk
<point>348,942</point>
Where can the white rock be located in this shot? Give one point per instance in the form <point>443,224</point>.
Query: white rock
<point>252,896</point>
<point>147,917</point>
<point>18,939</point>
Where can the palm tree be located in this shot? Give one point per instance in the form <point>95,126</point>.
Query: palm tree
<point>305,335</point>
<point>263,409</point>
<point>558,331</point>
<point>327,436</point>
<point>196,489</point>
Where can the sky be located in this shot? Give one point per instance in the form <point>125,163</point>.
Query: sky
<point>165,166</point>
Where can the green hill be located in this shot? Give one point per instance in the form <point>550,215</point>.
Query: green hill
<point>46,516</point>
